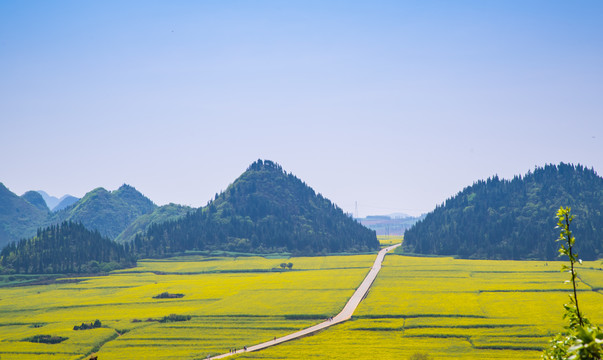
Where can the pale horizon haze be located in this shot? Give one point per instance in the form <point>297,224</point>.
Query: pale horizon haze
<point>393,105</point>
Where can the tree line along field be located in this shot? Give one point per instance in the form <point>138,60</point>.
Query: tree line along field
<point>449,308</point>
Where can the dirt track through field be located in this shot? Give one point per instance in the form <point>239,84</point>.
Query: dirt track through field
<point>344,315</point>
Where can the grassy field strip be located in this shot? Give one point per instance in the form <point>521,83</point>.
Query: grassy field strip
<point>453,309</point>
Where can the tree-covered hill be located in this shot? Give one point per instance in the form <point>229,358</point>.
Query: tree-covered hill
<point>18,217</point>
<point>515,219</point>
<point>264,210</point>
<point>65,248</point>
<point>108,212</point>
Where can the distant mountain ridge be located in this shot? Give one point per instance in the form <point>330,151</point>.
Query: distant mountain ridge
<point>264,210</point>
<point>109,212</point>
<point>515,219</point>
<point>56,204</point>
<point>65,201</point>
<point>51,201</point>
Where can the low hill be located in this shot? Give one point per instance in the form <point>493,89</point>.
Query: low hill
<point>108,212</point>
<point>18,217</point>
<point>264,210</point>
<point>515,219</point>
<point>65,248</point>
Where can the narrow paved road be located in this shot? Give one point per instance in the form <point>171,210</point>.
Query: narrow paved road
<point>344,315</point>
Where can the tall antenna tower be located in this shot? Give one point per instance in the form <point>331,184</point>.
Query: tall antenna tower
<point>356,212</point>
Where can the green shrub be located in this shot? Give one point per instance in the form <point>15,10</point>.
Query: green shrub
<point>581,339</point>
<point>46,339</point>
<point>420,356</point>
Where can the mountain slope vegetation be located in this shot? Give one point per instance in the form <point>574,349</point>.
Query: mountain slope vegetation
<point>142,223</point>
<point>108,212</point>
<point>18,217</point>
<point>56,204</point>
<point>34,198</point>
<point>66,201</point>
<point>515,219</point>
<point>119,214</point>
<point>264,210</point>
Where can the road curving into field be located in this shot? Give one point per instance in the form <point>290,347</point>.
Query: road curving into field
<point>344,315</point>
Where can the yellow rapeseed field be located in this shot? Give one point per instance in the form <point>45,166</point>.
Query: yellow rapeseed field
<point>449,308</point>
<point>453,309</point>
<point>386,240</point>
<point>231,301</point>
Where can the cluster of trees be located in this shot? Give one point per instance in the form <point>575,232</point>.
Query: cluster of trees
<point>96,324</point>
<point>65,248</point>
<point>510,219</point>
<point>167,295</point>
<point>264,210</point>
<point>174,318</point>
<point>46,339</point>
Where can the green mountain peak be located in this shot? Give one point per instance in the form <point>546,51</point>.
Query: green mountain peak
<point>263,210</point>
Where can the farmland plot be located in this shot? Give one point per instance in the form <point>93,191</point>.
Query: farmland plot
<point>232,302</point>
<point>453,309</point>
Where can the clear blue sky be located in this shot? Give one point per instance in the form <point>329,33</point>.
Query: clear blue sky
<point>396,105</point>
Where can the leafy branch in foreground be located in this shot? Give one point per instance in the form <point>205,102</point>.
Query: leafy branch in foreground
<point>581,340</point>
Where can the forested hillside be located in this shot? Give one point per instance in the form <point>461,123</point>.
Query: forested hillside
<point>65,248</point>
<point>515,219</point>
<point>264,210</point>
